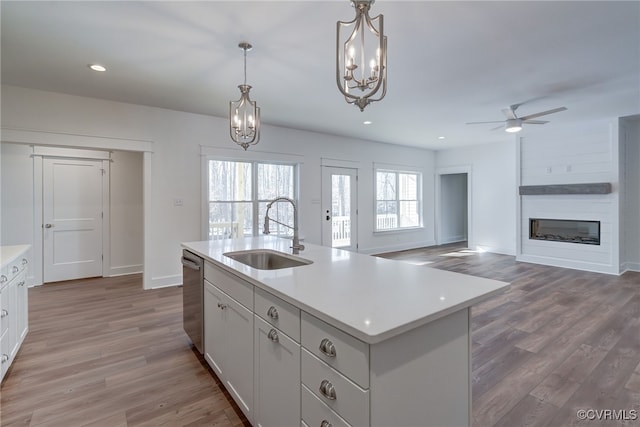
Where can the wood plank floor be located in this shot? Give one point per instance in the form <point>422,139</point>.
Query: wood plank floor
<point>102,352</point>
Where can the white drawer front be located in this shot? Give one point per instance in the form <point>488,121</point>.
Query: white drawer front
<point>278,313</point>
<point>232,285</point>
<point>314,412</point>
<point>350,401</point>
<point>351,355</point>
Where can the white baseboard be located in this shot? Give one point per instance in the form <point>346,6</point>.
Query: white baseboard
<point>565,263</point>
<point>166,281</point>
<point>493,250</point>
<point>629,266</point>
<point>453,239</point>
<point>123,270</point>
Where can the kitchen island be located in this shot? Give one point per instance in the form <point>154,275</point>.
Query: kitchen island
<point>344,339</point>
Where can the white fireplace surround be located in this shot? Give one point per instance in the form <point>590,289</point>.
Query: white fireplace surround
<point>551,163</point>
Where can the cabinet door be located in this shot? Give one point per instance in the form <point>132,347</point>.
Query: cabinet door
<point>10,302</point>
<point>277,377</point>
<point>22,307</point>
<point>238,362</point>
<point>214,328</point>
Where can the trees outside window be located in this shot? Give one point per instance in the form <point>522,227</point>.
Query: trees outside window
<point>398,201</point>
<point>238,193</point>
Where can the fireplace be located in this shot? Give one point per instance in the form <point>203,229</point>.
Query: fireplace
<point>565,230</point>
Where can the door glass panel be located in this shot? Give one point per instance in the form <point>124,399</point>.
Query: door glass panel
<point>340,210</point>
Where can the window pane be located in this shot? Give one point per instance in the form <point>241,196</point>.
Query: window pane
<point>408,186</point>
<point>409,214</point>
<point>230,220</point>
<point>229,181</point>
<point>275,181</point>
<point>281,212</point>
<point>385,185</point>
<point>340,210</point>
<point>386,216</point>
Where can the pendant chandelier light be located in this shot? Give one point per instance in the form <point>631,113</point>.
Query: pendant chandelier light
<point>244,115</point>
<point>361,63</point>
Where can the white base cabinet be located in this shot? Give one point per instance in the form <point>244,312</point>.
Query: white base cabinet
<point>285,367</point>
<point>228,342</point>
<point>277,377</point>
<point>14,304</point>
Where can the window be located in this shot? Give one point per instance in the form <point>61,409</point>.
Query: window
<point>398,201</point>
<point>238,193</point>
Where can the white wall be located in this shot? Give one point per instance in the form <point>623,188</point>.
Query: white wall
<point>493,193</point>
<point>453,208</point>
<point>126,213</point>
<point>175,167</point>
<point>17,196</point>
<point>571,156</point>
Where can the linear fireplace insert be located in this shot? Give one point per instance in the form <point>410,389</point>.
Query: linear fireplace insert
<point>565,230</point>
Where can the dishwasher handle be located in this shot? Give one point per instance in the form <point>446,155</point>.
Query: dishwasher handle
<point>190,264</point>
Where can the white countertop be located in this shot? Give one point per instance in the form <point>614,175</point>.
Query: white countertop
<point>368,297</point>
<point>9,253</point>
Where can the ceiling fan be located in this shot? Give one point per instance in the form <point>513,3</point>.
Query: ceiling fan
<point>514,123</point>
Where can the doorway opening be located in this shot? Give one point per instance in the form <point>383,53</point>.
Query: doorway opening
<point>453,207</point>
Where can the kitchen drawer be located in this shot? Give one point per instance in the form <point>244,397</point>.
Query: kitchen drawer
<point>230,284</point>
<point>315,412</point>
<point>350,401</point>
<point>350,356</point>
<point>278,313</point>
<point>15,267</point>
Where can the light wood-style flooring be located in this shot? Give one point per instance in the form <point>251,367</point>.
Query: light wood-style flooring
<point>103,352</point>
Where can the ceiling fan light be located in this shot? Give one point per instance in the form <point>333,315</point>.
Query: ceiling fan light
<point>513,125</point>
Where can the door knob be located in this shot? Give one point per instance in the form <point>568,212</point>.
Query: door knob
<point>48,225</point>
<point>328,218</point>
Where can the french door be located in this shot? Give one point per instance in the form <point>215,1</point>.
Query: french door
<point>72,218</point>
<point>340,207</point>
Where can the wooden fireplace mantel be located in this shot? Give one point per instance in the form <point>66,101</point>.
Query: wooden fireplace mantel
<point>543,190</point>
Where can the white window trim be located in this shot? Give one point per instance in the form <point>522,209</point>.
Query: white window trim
<point>223,154</point>
<point>398,169</point>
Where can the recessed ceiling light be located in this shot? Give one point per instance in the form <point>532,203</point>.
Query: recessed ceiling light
<point>441,137</point>
<point>97,67</point>
<point>367,122</point>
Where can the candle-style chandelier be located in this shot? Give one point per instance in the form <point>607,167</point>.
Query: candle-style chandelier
<point>244,115</point>
<point>357,42</point>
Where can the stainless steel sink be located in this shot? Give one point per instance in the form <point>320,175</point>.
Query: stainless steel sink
<point>267,259</point>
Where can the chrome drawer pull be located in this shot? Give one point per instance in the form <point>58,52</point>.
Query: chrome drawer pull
<point>273,335</point>
<point>4,313</point>
<point>327,390</point>
<point>327,348</point>
<point>273,313</point>
<point>15,269</point>
<point>21,283</point>
<point>222,306</point>
<point>3,279</point>
<point>5,357</point>
<point>24,261</point>
<point>325,423</point>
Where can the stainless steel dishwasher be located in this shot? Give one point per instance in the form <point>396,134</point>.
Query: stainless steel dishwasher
<point>193,297</point>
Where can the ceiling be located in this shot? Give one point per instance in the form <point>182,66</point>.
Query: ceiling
<point>449,62</point>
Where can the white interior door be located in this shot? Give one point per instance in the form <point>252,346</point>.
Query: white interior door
<point>72,218</point>
<point>339,207</point>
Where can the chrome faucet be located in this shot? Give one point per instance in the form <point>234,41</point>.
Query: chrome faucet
<point>296,246</point>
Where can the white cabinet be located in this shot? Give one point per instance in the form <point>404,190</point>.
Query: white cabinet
<point>228,330</point>
<point>276,362</point>
<point>277,377</point>
<point>335,370</point>
<point>13,304</point>
<point>285,367</point>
